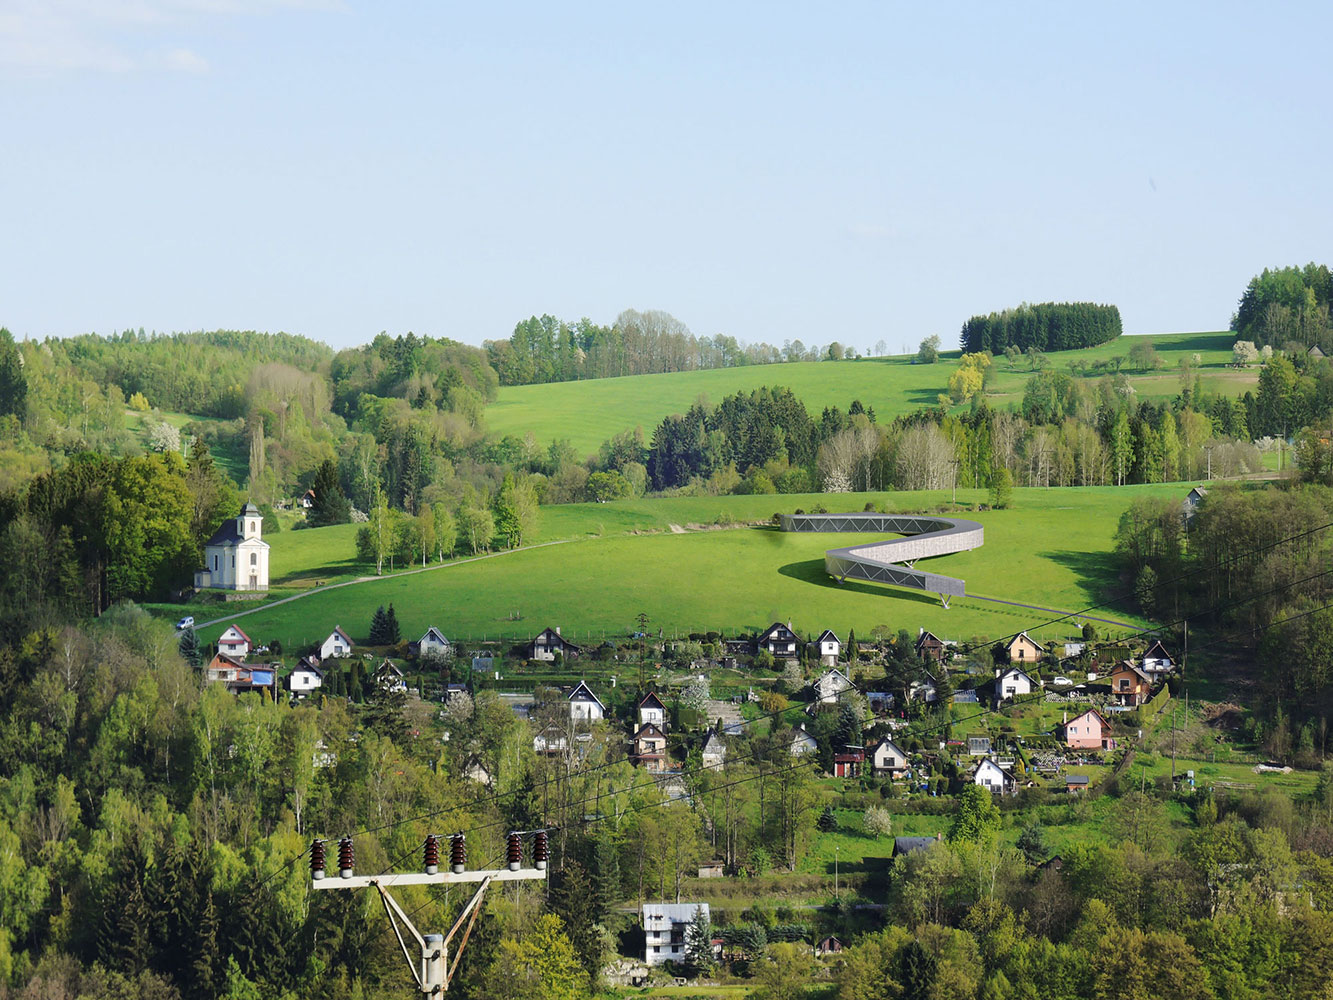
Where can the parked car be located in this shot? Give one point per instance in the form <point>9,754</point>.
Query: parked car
<point>1061,681</point>
<point>184,623</point>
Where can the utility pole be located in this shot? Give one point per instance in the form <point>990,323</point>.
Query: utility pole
<point>430,966</point>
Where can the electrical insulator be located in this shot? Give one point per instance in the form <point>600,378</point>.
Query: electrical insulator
<point>458,853</point>
<point>541,850</point>
<point>317,859</point>
<point>515,852</point>
<point>432,853</point>
<point>346,858</point>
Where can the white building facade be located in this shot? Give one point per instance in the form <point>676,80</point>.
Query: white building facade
<point>236,557</point>
<point>664,926</point>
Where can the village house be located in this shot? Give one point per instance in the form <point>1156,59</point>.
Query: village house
<point>236,557</point>
<point>1156,660</point>
<point>887,759</point>
<point>848,764</point>
<point>924,689</point>
<point>664,926</point>
<point>584,706</point>
<point>831,685</point>
<point>650,747</point>
<point>389,679</point>
<point>475,770</point>
<point>1022,650</point>
<point>1129,684</point>
<point>1076,783</point>
<point>779,640</point>
<point>551,740</point>
<point>910,845</point>
<point>337,644</point>
<point>307,501</point>
<point>990,775</point>
<point>929,646</point>
<point>803,742</point>
<point>240,677</point>
<point>1013,682</point>
<point>1193,500</point>
<point>714,752</point>
<point>1087,731</point>
<point>828,647</point>
<point>651,710</point>
<point>235,643</point>
<point>433,645</point>
<point>828,946</point>
<point>305,678</point>
<point>549,644</point>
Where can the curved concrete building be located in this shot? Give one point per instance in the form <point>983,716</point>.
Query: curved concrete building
<point>891,560</point>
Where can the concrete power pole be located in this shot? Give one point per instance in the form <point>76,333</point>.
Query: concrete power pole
<point>429,961</point>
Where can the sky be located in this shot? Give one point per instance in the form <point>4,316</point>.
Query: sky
<point>770,171</point>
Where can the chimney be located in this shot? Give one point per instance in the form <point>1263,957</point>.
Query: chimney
<point>1065,719</point>
<point>557,630</point>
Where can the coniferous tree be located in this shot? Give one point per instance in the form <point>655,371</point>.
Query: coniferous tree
<point>189,647</point>
<point>699,944</point>
<point>391,629</point>
<point>330,505</point>
<point>379,627</point>
<point>13,383</point>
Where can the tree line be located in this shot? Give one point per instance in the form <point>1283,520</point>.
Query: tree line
<point>1287,307</point>
<point>1049,326</point>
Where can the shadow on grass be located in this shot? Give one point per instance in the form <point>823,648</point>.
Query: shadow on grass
<point>812,571</point>
<point>1096,576</point>
<point>327,571</point>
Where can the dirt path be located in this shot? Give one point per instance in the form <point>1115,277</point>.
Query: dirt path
<point>373,579</point>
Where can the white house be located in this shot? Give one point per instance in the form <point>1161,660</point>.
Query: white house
<point>888,758</point>
<point>1011,682</point>
<point>389,678</point>
<point>434,644</point>
<point>235,643</point>
<point>664,926</point>
<point>584,706</point>
<point>1193,500</point>
<point>651,710</point>
<point>551,740</point>
<point>236,557</point>
<point>829,647</point>
<point>831,685</point>
<point>1157,661</point>
<point>714,752</point>
<point>337,644</point>
<point>305,678</point>
<point>803,742</point>
<point>992,776</point>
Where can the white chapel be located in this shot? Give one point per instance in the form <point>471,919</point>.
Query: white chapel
<point>236,557</point>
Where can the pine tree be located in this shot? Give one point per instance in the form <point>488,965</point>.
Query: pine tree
<point>379,627</point>
<point>189,647</point>
<point>330,505</point>
<point>391,628</point>
<point>827,822</point>
<point>699,944</point>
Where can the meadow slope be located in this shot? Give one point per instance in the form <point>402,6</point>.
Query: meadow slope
<point>617,559</point>
<point>590,412</point>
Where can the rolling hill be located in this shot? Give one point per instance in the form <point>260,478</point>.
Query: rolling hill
<point>590,412</point>
<point>602,564</point>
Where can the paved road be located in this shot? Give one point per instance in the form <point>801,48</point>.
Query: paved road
<point>372,579</point>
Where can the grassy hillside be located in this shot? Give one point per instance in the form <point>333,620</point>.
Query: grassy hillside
<point>590,412</point>
<point>612,561</point>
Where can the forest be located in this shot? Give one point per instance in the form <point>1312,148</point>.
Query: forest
<point>1050,326</point>
<point>1287,308</point>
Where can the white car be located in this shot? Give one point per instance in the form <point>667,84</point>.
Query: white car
<point>184,623</point>
<point>1061,681</point>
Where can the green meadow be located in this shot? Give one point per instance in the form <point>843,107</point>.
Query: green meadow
<point>670,559</point>
<point>590,412</point>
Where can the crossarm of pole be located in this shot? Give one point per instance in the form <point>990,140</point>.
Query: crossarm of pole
<point>470,912</point>
<point>396,914</point>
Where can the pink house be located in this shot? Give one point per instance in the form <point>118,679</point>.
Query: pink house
<point>1089,731</point>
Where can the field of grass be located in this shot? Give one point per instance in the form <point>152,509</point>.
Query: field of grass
<point>621,558</point>
<point>588,413</point>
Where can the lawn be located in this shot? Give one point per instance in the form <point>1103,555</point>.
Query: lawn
<point>590,412</point>
<point>1050,550</point>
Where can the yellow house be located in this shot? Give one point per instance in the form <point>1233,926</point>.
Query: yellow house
<point>1022,649</point>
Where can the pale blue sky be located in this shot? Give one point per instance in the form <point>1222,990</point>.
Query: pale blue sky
<point>771,171</point>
